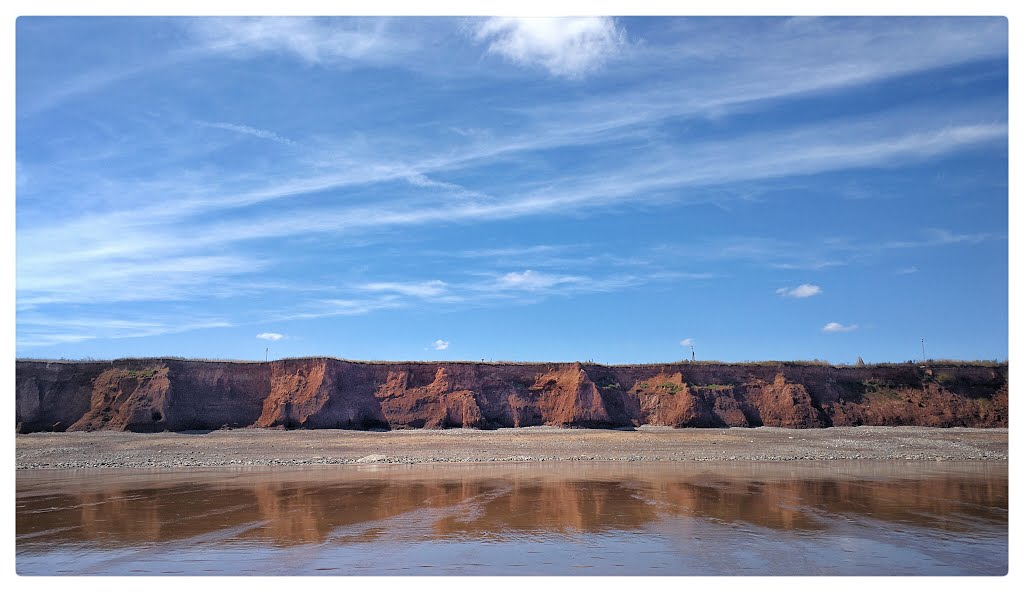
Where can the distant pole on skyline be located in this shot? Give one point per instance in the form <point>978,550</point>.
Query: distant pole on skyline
<point>693,356</point>
<point>923,357</point>
<point>267,355</point>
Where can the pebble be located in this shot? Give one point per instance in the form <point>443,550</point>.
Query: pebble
<point>372,458</point>
<point>76,450</point>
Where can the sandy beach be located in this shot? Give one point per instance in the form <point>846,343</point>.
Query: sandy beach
<point>269,447</point>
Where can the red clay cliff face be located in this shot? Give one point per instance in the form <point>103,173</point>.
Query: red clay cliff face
<point>177,395</point>
<point>130,400</point>
<point>407,399</point>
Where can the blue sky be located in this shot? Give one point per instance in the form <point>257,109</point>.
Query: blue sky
<point>607,189</point>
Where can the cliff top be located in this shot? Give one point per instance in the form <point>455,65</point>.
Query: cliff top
<point>790,363</point>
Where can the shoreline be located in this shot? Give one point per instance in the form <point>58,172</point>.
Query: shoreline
<point>275,447</point>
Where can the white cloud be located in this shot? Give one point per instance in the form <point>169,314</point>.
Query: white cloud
<point>491,289</point>
<point>334,307</point>
<point>91,81</point>
<point>421,180</point>
<point>834,327</point>
<point>45,339</point>
<point>801,291</point>
<point>429,289</point>
<point>247,130</point>
<point>315,41</point>
<point>40,330</point>
<point>515,252</point>
<point>937,237</point>
<point>440,345</point>
<point>816,254</point>
<point>534,280</point>
<point>270,336</point>
<point>49,274</point>
<point>687,342</point>
<point>569,47</point>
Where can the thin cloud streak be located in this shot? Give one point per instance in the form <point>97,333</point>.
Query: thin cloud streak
<point>811,255</point>
<point>532,280</point>
<point>42,331</point>
<point>428,289</point>
<point>249,131</point>
<point>147,276</point>
<point>487,289</point>
<point>333,41</point>
<point>775,59</point>
<point>106,239</point>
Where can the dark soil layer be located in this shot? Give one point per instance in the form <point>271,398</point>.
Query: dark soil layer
<point>152,395</point>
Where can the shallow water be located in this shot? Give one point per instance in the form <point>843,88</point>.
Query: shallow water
<point>837,518</point>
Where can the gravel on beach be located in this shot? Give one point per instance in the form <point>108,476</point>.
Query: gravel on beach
<point>270,447</point>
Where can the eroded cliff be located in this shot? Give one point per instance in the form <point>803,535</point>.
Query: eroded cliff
<point>175,394</point>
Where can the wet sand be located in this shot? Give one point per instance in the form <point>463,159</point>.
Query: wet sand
<point>256,447</point>
<point>531,518</point>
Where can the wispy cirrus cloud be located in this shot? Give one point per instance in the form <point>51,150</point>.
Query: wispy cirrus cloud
<point>248,130</point>
<point>42,330</point>
<point>335,307</point>
<point>439,345</point>
<point>427,289</point>
<point>268,336</point>
<point>90,82</point>
<point>475,289</point>
<point>810,254</point>
<point>938,237</point>
<point>545,251</point>
<point>765,158</point>
<point>772,59</point>
<point>49,278</point>
<point>333,41</point>
<point>802,151</point>
<point>531,280</point>
<point>312,40</point>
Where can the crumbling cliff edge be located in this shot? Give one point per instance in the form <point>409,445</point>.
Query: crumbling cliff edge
<point>147,395</point>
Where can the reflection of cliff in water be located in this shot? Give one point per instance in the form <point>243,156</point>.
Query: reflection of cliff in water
<point>289,510</point>
<point>940,503</point>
